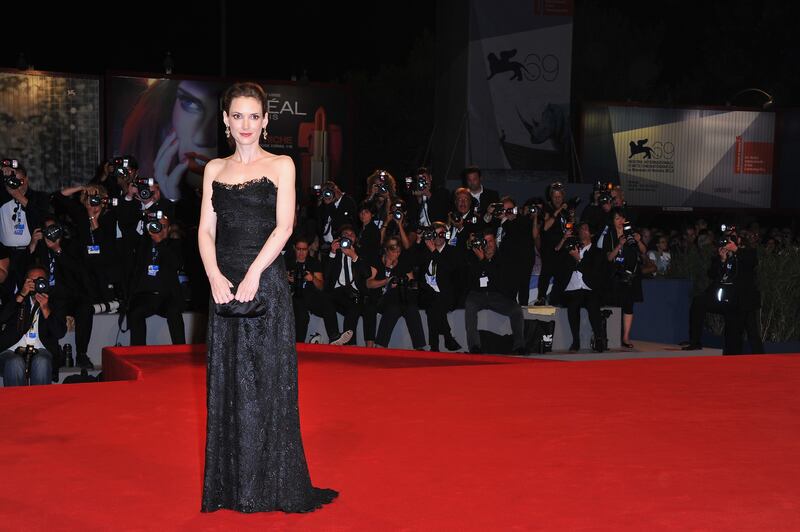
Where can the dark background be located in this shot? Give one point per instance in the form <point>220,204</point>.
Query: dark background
<point>667,52</point>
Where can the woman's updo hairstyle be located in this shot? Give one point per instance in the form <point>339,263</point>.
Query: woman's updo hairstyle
<point>244,90</point>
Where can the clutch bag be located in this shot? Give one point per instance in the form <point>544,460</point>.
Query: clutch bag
<point>241,309</point>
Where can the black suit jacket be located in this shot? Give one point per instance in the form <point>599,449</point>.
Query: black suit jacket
<point>70,271</point>
<point>345,213</point>
<point>438,206</point>
<point>593,267</point>
<point>51,329</point>
<point>360,269</point>
<point>446,263</point>
<point>369,242</point>
<point>745,280</point>
<point>487,196</point>
<point>169,262</point>
<point>35,211</point>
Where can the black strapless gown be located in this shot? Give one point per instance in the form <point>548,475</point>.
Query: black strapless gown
<point>255,461</point>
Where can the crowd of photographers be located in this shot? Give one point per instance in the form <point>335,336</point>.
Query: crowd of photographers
<point>114,245</point>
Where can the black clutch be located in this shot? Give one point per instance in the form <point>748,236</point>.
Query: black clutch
<point>241,309</point>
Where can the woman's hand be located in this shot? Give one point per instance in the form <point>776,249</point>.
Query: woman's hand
<point>169,181</point>
<point>221,288</point>
<point>246,290</point>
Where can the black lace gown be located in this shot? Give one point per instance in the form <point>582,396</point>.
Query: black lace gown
<point>255,461</point>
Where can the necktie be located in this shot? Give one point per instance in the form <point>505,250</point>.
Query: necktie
<point>347,279</point>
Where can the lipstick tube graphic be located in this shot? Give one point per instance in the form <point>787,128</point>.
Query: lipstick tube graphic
<point>320,164</point>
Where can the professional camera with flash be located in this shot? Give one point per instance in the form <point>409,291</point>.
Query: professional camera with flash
<point>11,180</point>
<point>152,221</point>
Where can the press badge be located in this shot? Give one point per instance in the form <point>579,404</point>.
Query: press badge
<point>93,250</point>
<point>19,229</point>
<point>152,270</point>
<point>32,335</point>
<point>484,281</point>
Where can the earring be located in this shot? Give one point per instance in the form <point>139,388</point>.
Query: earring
<point>228,131</point>
<point>265,133</point>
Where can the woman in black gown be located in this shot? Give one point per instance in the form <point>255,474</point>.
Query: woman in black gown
<point>255,461</point>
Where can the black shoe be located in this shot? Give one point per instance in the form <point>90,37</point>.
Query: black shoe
<point>521,351</point>
<point>451,344</point>
<point>539,302</point>
<point>82,361</point>
<point>475,350</point>
<point>574,348</point>
<point>685,342</point>
<point>56,376</point>
<point>692,347</point>
<point>626,345</point>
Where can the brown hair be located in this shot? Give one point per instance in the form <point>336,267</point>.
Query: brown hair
<point>245,89</point>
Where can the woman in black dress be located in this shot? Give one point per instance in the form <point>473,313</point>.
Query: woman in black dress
<point>255,461</point>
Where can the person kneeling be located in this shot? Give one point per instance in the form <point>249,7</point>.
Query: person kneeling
<point>584,287</point>
<point>32,326</point>
<point>485,292</point>
<point>156,288</point>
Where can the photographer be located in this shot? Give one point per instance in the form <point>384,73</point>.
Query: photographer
<point>463,221</point>
<point>733,293</point>
<point>514,236</point>
<point>155,287</point>
<point>426,203</point>
<point>486,292</point>
<point>598,213</point>
<point>437,264</point>
<point>102,271</point>
<point>115,174</point>
<point>334,209</point>
<point>382,192</point>
<point>307,282</point>
<point>559,216</point>
<point>471,177</point>
<point>344,281</point>
<point>33,323</point>
<point>396,225</point>
<point>585,286</point>
<point>21,211</point>
<point>623,250</point>
<point>369,236</point>
<point>393,293</point>
<point>142,199</point>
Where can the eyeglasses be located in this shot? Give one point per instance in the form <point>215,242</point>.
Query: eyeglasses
<point>16,210</point>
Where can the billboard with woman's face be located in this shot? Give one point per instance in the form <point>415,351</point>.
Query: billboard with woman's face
<point>173,127</point>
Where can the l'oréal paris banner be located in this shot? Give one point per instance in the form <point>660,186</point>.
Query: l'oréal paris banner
<point>519,84</point>
<point>173,127</point>
<point>684,157</point>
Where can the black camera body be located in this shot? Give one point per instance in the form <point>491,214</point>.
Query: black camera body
<point>11,180</point>
<point>40,285</point>
<point>345,243</point>
<point>53,232</point>
<point>326,192</point>
<point>627,232</point>
<point>467,217</point>
<point>95,200</point>
<point>604,197</point>
<point>477,241</point>
<point>572,243</point>
<point>417,184</point>
<point>603,186</point>
<point>143,185</point>
<point>429,233</point>
<point>123,166</point>
<point>573,202</point>
<point>298,273</point>
<point>152,221</point>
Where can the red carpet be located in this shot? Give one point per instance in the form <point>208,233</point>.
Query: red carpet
<point>416,441</point>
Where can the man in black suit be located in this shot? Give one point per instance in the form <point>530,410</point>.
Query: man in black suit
<point>425,203</point>
<point>345,276</point>
<point>307,283</point>
<point>334,210</point>
<point>155,287</point>
<point>487,291</point>
<point>483,196</point>
<point>514,235</point>
<point>585,285</point>
<point>369,236</point>
<point>32,320</point>
<point>733,292</point>
<point>437,265</point>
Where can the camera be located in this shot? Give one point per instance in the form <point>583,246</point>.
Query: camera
<point>510,211</point>
<point>143,185</point>
<point>345,243</point>
<point>627,232</point>
<point>728,235</point>
<point>568,226</point>
<point>11,180</point>
<point>152,221</point>
<point>476,240</point>
<point>326,192</point>
<point>572,243</point>
<point>298,274</point>
<point>466,218</point>
<point>397,213</point>
<point>429,233</point>
<point>40,285</point>
<point>123,166</point>
<point>383,188</point>
<point>53,232</point>
<point>107,307</point>
<point>600,186</point>
<point>417,184</point>
<point>9,163</point>
<point>95,200</point>
<point>604,197</point>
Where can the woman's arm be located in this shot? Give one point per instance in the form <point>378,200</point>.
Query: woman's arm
<point>372,282</point>
<point>284,222</point>
<point>207,236</point>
